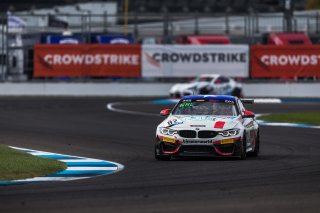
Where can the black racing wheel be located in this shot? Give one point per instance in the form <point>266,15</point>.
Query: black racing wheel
<point>243,148</point>
<point>158,155</point>
<point>256,150</point>
<point>237,92</point>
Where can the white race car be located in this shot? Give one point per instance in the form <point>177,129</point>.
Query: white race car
<point>213,84</point>
<point>209,125</point>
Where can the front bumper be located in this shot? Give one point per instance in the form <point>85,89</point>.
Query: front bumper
<point>224,148</point>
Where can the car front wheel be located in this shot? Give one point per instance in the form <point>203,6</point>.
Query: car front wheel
<point>243,148</point>
<point>256,150</point>
<point>237,92</point>
<point>158,155</point>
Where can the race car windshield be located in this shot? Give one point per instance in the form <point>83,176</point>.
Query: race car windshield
<point>203,79</point>
<point>206,108</point>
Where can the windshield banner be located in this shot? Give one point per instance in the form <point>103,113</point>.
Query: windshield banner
<point>76,60</point>
<point>193,60</point>
<point>285,61</point>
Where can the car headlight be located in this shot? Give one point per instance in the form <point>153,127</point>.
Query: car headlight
<point>167,131</point>
<point>231,132</point>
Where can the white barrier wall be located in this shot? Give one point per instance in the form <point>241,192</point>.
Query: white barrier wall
<point>302,90</point>
<point>84,89</point>
<point>193,60</point>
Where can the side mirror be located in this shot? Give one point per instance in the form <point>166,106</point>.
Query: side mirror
<point>165,112</point>
<point>248,114</point>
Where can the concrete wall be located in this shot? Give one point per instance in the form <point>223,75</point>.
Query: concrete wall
<point>148,89</point>
<point>301,90</point>
<point>84,89</point>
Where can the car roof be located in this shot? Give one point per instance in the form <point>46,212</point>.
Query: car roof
<point>210,75</point>
<point>210,97</point>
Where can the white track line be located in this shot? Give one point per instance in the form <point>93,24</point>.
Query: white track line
<point>40,179</point>
<point>81,168</point>
<point>83,161</point>
<point>267,100</point>
<point>111,107</point>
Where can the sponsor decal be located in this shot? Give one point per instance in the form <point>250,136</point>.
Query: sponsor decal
<point>198,118</point>
<point>69,41</point>
<point>185,104</point>
<point>119,41</point>
<point>219,124</point>
<point>187,100</point>
<point>250,124</point>
<point>168,140</point>
<point>226,141</point>
<point>229,102</point>
<point>174,122</point>
<point>198,142</point>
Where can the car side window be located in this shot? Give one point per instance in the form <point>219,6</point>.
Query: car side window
<point>223,79</point>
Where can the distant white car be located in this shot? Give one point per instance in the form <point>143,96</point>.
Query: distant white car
<point>207,84</point>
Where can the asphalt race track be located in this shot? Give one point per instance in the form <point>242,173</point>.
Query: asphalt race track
<point>284,178</point>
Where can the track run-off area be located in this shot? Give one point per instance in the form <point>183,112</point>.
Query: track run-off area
<point>283,178</point>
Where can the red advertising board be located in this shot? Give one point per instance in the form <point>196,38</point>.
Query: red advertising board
<point>285,61</point>
<point>87,60</point>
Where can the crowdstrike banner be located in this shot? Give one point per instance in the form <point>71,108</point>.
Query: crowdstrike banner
<point>285,61</point>
<point>193,60</point>
<point>103,60</point>
<point>86,59</point>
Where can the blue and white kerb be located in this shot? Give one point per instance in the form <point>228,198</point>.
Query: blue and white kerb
<point>77,167</point>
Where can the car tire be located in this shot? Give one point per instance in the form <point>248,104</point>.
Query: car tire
<point>256,150</point>
<point>205,91</point>
<point>243,148</point>
<point>237,92</point>
<point>159,156</point>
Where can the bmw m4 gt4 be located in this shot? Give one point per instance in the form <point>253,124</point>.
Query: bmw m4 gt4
<point>210,125</point>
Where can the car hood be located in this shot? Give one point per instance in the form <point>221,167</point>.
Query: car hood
<point>217,123</point>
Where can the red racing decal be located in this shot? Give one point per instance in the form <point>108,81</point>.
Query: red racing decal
<point>223,153</point>
<point>219,124</point>
<point>170,152</point>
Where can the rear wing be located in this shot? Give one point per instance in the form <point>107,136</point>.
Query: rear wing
<point>247,101</point>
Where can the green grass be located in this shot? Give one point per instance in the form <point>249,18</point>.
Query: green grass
<point>312,118</point>
<point>16,165</point>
